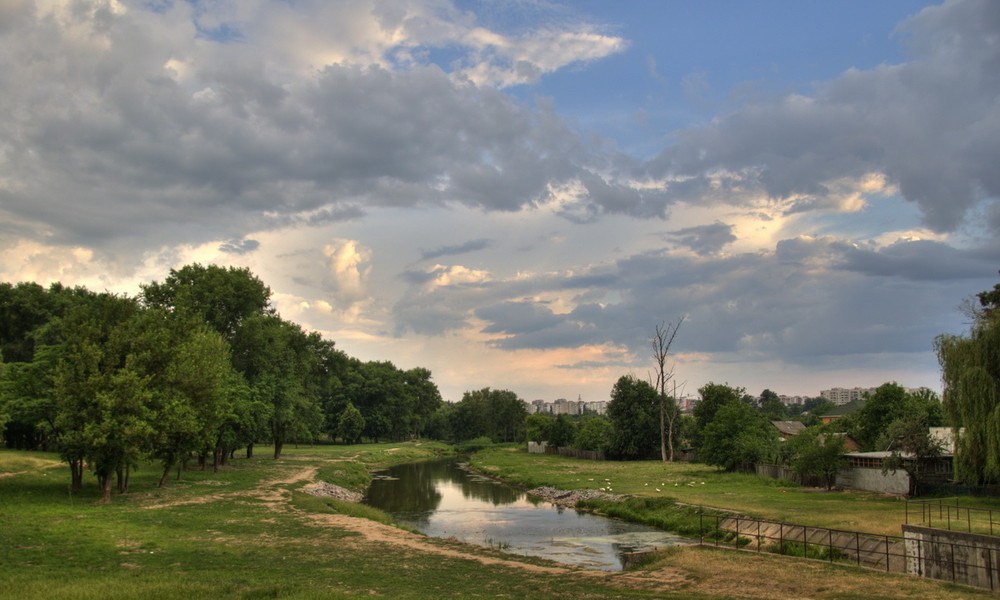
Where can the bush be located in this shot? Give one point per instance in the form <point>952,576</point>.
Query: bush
<point>475,445</point>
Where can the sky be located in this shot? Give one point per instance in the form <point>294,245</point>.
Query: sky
<point>514,194</point>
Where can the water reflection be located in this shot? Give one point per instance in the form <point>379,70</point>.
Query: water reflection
<point>441,499</point>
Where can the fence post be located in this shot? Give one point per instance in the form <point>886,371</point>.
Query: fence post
<point>781,538</point>
<point>805,542</point>
<point>857,546</point>
<point>952,562</point>
<point>830,552</point>
<point>920,557</point>
<point>886,554</point>
<point>759,542</point>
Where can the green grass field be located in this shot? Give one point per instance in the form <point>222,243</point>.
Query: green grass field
<point>707,487</point>
<point>249,532</point>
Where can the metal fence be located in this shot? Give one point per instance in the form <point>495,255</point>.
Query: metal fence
<point>946,513</point>
<point>956,562</point>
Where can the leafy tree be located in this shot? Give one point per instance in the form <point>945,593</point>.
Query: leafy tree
<point>888,403</point>
<point>103,414</point>
<point>594,433</point>
<point>634,414</point>
<point>276,357</point>
<point>970,371</point>
<point>772,407</point>
<point>817,454</point>
<point>562,432</point>
<point>537,426</point>
<point>713,397</point>
<point>911,444</point>
<point>496,414</point>
<point>737,435</point>
<point>350,425</point>
<point>222,297</point>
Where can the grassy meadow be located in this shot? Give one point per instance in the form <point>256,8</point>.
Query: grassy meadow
<point>706,487</point>
<point>248,531</point>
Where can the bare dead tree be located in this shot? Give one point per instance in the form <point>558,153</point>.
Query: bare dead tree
<point>663,338</point>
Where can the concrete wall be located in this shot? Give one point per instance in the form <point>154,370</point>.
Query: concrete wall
<point>969,558</point>
<point>872,480</point>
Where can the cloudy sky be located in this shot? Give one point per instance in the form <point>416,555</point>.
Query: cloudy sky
<point>515,193</point>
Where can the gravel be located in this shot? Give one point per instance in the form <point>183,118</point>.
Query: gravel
<point>322,488</point>
<point>570,498</point>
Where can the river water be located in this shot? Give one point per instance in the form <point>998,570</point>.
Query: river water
<point>442,499</point>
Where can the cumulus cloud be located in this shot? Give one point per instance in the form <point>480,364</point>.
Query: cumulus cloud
<point>193,122</point>
<point>805,301</point>
<point>930,126</point>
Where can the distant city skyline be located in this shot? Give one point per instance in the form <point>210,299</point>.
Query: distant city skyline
<point>514,195</point>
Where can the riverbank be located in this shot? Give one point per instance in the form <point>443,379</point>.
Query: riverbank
<point>658,485</point>
<point>249,531</point>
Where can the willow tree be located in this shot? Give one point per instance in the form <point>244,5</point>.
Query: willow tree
<point>970,367</point>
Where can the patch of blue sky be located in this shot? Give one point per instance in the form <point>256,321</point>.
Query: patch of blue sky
<point>687,62</point>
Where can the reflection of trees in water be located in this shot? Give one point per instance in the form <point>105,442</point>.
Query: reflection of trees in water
<point>412,490</point>
<point>482,488</point>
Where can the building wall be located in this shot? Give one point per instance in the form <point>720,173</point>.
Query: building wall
<point>873,480</point>
<point>959,556</point>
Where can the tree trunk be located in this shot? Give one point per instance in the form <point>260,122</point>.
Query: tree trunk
<point>250,450</point>
<point>104,483</point>
<point>123,474</point>
<point>663,424</point>
<point>277,449</point>
<point>215,460</point>
<point>76,475</point>
<point>166,471</point>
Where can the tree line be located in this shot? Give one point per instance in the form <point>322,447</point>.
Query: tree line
<point>197,365</point>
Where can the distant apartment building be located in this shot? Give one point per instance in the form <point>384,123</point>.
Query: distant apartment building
<point>842,396</point>
<point>562,406</point>
<point>792,400</point>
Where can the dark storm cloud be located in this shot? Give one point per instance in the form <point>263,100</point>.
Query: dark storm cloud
<point>470,246</point>
<point>706,239</point>
<point>143,130</point>
<point>808,301</point>
<point>931,125</point>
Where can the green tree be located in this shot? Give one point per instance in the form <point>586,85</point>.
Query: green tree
<point>496,414</point>
<point>970,372</point>
<point>634,412</point>
<point>562,432</point>
<point>276,357</point>
<point>222,297</point>
<point>103,403</point>
<point>350,425</point>
<point>713,397</point>
<point>594,433</point>
<point>737,435</point>
<point>817,454</point>
<point>772,407</point>
<point>888,403</point>
<point>536,427</point>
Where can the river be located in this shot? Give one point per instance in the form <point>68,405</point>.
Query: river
<point>442,499</point>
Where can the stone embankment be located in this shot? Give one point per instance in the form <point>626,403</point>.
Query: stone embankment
<point>570,498</point>
<point>322,488</point>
